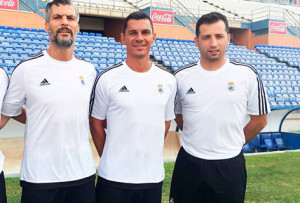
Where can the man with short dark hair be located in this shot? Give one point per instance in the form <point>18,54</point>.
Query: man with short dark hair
<point>135,100</point>
<point>55,87</point>
<point>215,97</point>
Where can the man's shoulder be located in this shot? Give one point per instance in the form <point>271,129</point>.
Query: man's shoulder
<point>33,58</point>
<point>29,62</point>
<point>82,61</point>
<point>242,66</point>
<point>110,72</point>
<point>164,72</point>
<point>3,74</point>
<point>2,71</point>
<point>185,70</point>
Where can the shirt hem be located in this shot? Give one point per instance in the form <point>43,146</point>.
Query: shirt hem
<point>42,186</point>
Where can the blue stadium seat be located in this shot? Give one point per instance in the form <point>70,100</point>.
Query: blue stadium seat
<point>279,143</point>
<point>4,53</point>
<point>14,53</point>
<point>23,54</point>
<point>267,141</point>
<point>255,144</point>
<point>18,59</point>
<point>271,93</point>
<point>246,148</point>
<point>103,66</point>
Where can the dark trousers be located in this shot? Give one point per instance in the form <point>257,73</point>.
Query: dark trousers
<point>84,193</point>
<point>199,180</point>
<point>109,193</point>
<point>2,189</point>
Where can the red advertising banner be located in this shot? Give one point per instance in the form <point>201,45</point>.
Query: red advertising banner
<point>9,4</point>
<point>161,17</point>
<point>278,28</point>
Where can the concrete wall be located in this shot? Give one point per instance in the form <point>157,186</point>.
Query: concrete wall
<point>278,40</point>
<point>241,37</point>
<point>263,39</point>
<point>21,19</point>
<point>173,32</point>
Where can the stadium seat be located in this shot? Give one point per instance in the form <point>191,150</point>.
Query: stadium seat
<point>279,143</point>
<point>255,144</point>
<point>267,141</point>
<point>246,148</point>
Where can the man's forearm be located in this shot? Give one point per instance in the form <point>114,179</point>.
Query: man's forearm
<point>98,134</point>
<point>4,120</point>
<point>255,125</point>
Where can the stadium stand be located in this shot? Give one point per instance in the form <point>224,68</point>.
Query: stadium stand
<point>288,55</point>
<point>282,82</point>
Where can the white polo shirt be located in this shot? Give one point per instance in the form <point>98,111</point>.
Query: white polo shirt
<point>136,106</point>
<point>3,87</point>
<point>214,106</point>
<point>56,95</point>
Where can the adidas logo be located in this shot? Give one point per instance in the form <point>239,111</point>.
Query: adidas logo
<point>190,91</point>
<point>124,89</point>
<point>45,82</point>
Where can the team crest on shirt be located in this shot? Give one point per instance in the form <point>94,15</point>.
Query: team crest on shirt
<point>230,87</point>
<point>160,89</point>
<point>82,80</point>
<point>171,200</point>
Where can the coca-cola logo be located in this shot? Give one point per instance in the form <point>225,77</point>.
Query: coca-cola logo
<point>7,3</point>
<point>162,18</point>
<point>277,28</point>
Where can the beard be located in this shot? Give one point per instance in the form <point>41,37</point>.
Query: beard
<point>63,43</point>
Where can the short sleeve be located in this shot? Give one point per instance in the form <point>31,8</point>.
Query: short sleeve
<point>99,99</point>
<point>3,85</point>
<point>15,94</point>
<point>170,105</point>
<point>178,107</point>
<point>258,103</point>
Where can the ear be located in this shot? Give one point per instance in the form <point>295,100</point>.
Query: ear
<point>122,39</point>
<point>154,37</point>
<point>46,27</point>
<point>196,41</point>
<point>228,37</point>
<point>78,29</point>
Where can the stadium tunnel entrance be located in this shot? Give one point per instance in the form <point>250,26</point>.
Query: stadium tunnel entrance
<point>108,27</point>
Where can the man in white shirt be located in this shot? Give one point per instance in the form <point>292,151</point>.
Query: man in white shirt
<point>55,87</point>
<point>215,97</point>
<point>3,87</point>
<point>134,100</point>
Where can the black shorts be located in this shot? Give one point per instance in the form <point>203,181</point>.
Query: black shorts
<point>82,192</point>
<point>197,180</point>
<point>2,189</point>
<point>115,192</point>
